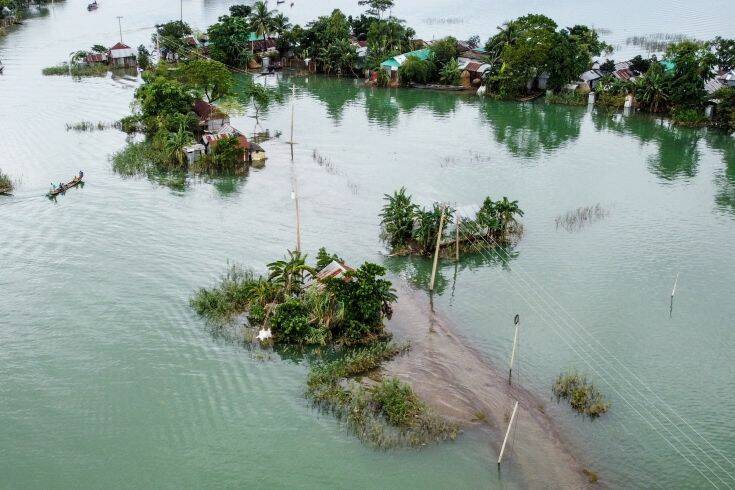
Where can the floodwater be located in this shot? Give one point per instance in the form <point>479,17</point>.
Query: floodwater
<point>108,378</point>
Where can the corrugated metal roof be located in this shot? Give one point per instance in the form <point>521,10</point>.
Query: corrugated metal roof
<point>397,61</point>
<point>625,74</point>
<point>713,85</point>
<point>591,75</point>
<point>334,269</point>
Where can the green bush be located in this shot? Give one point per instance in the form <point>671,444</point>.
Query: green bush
<point>6,185</point>
<point>415,70</point>
<point>567,97</point>
<point>290,321</point>
<point>231,296</point>
<point>688,116</point>
<point>398,403</point>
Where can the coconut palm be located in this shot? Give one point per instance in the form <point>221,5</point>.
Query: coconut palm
<point>289,273</point>
<point>507,211</point>
<point>280,24</point>
<point>261,19</point>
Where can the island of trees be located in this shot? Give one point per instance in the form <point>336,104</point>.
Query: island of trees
<point>411,229</point>
<point>339,311</point>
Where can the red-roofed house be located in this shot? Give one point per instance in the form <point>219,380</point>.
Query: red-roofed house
<point>121,55</point>
<point>210,117</point>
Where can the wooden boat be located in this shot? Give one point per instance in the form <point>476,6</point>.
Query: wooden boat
<point>60,190</point>
<point>436,86</point>
<point>92,6</point>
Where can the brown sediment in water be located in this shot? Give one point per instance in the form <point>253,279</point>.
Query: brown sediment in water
<point>460,384</point>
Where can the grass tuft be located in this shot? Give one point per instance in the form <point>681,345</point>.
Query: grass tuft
<point>582,395</point>
<point>6,185</point>
<point>576,219</point>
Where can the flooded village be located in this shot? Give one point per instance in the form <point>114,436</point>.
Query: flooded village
<point>429,254</point>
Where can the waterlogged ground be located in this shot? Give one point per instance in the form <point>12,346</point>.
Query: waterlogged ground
<point>109,379</point>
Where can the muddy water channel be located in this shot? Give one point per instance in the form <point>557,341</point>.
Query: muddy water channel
<point>108,378</point>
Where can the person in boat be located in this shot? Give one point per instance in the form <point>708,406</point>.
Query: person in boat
<point>61,186</point>
<point>81,174</point>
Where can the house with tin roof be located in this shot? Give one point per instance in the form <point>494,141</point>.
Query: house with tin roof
<point>121,56</point>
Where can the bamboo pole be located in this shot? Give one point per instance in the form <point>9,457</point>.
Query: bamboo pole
<point>436,251</point>
<point>512,355</point>
<point>456,238</point>
<point>507,433</point>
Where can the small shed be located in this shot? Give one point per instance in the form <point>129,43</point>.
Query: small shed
<point>591,78</point>
<point>122,56</point>
<point>95,58</point>
<point>210,117</point>
<point>194,152</point>
<point>256,153</point>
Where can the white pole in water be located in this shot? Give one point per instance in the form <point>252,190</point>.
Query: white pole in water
<point>456,238</point>
<point>293,98</point>
<point>507,433</point>
<point>516,320</point>
<point>436,252</point>
<point>673,291</point>
<point>295,193</point>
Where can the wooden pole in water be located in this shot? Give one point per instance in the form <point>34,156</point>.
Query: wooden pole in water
<point>456,238</point>
<point>295,194</point>
<point>516,320</point>
<point>436,251</point>
<point>507,433</point>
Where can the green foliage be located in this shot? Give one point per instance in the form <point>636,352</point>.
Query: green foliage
<point>567,97</point>
<point>652,90</point>
<point>261,19</point>
<point>640,64</point>
<point>170,36</point>
<point>324,258</point>
<point>398,217</point>
<point>724,116</point>
<point>383,79</point>
<point>449,74</point>
<point>724,50</point>
<point>6,185</point>
<point>207,78</point>
<point>231,296</point>
<point>144,57</point>
<point>387,38</point>
<point>290,321</point>
<point>415,70</point>
<point>290,272</point>
<point>98,48</point>
<point>355,363</point>
<point>693,63</point>
<point>228,40</point>
<point>327,41</point>
<point>161,97</point>
<point>94,70</point>
<point>240,10</point>
<point>227,157</point>
<point>365,299</point>
<point>443,51</point>
<point>689,117</point>
<point>411,229</point>
<point>398,403</point>
<point>376,7</point>
<point>582,395</point>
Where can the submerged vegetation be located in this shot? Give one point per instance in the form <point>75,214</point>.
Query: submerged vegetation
<point>410,229</point>
<point>6,185</point>
<point>343,310</point>
<point>576,219</point>
<point>582,395</point>
<point>76,70</point>
<point>92,126</point>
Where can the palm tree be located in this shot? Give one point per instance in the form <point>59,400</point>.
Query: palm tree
<point>652,88</point>
<point>507,211</point>
<point>290,272</point>
<point>175,144</point>
<point>280,23</point>
<point>261,19</point>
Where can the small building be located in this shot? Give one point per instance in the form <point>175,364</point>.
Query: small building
<point>392,64</point>
<point>194,152</point>
<point>210,117</point>
<point>591,78</point>
<point>255,152</point>
<point>121,56</point>
<point>95,58</point>
<point>729,78</point>
<point>252,151</point>
<point>474,68</point>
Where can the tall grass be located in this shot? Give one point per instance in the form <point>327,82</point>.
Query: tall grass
<point>92,126</point>
<point>582,395</point>
<point>576,219</point>
<point>95,70</point>
<point>231,296</point>
<point>383,414</point>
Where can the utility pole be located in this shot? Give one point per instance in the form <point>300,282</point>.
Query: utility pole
<point>436,251</point>
<point>295,193</point>
<point>119,25</point>
<point>507,433</point>
<point>516,320</point>
<point>181,10</point>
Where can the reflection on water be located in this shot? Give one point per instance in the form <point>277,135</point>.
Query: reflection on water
<point>532,128</point>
